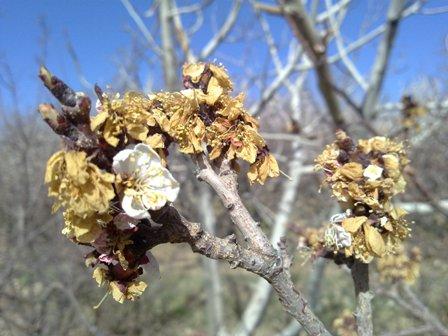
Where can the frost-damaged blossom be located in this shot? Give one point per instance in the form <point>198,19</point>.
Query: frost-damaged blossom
<point>120,290</point>
<point>345,324</point>
<point>265,166</point>
<point>120,119</point>
<point>108,188</point>
<point>78,184</point>
<point>336,237</point>
<point>178,116</point>
<point>144,182</point>
<point>411,112</point>
<point>364,177</point>
<point>230,131</point>
<point>402,265</point>
<point>84,229</point>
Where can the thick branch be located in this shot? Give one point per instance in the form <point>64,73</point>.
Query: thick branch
<point>315,48</point>
<point>257,305</point>
<point>226,187</point>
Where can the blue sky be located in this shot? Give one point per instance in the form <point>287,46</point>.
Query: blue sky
<point>97,31</point>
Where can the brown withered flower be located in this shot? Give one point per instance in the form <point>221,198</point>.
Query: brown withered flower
<point>402,265</point>
<point>363,177</point>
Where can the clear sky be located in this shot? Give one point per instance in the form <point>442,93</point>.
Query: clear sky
<point>97,31</point>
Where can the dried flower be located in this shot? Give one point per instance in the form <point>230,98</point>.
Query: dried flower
<point>336,237</point>
<point>127,292</point>
<point>364,177</point>
<point>78,185</point>
<point>84,229</point>
<point>345,324</point>
<point>107,196</point>
<point>265,166</point>
<point>402,265</point>
<point>122,118</point>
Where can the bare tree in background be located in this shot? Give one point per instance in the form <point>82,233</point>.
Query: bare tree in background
<point>298,127</point>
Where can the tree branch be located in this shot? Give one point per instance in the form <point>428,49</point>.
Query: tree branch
<point>142,27</point>
<point>224,183</point>
<point>315,48</point>
<point>223,32</point>
<point>259,257</point>
<point>363,313</point>
<point>394,16</point>
<point>259,300</point>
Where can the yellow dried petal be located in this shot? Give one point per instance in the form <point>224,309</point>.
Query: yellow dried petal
<point>352,171</point>
<point>353,224</point>
<point>374,240</point>
<point>138,132</point>
<point>100,275</point>
<point>135,290</point>
<point>117,294</point>
<point>221,75</point>
<point>110,133</point>
<point>215,152</point>
<point>194,70</point>
<point>97,121</point>
<point>155,141</point>
<point>214,91</point>
<point>252,173</point>
<point>379,143</point>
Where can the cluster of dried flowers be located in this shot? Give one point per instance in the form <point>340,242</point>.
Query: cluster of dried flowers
<point>411,113</point>
<point>345,324</point>
<point>364,177</point>
<point>108,198</point>
<point>103,208</point>
<point>203,117</point>
<point>401,266</point>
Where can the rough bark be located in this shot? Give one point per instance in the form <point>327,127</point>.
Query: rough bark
<point>363,313</point>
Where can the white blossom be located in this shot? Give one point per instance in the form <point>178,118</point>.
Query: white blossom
<point>147,184</point>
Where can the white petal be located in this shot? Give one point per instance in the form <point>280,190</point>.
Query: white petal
<point>373,172</point>
<point>123,162</point>
<point>133,207</point>
<point>173,189</point>
<point>172,192</point>
<point>166,185</point>
<point>147,150</point>
<point>98,106</point>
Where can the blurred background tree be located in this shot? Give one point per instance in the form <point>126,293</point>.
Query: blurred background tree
<point>306,67</point>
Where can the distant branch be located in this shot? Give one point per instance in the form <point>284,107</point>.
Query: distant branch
<point>223,32</point>
<point>394,16</point>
